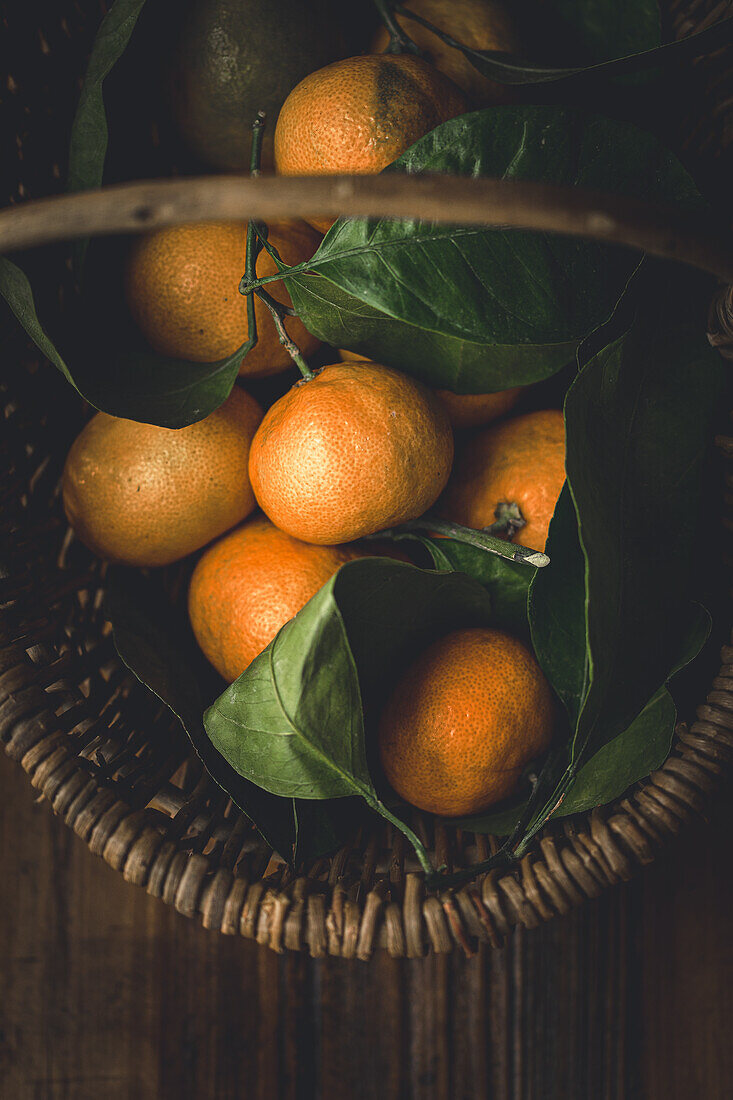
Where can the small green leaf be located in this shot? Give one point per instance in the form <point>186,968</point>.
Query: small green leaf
<point>89,134</point>
<point>16,290</point>
<point>476,309</point>
<point>636,752</point>
<point>299,721</point>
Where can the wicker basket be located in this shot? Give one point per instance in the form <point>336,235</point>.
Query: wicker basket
<point>117,767</point>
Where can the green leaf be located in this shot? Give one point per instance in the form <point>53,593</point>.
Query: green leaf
<point>507,582</point>
<point>296,721</point>
<point>650,425</point>
<point>89,134</point>
<point>557,610</point>
<point>475,309</point>
<point>112,367</point>
<point>137,383</point>
<point>633,754</point>
<point>155,642</point>
<point>638,422</point>
<point>16,290</point>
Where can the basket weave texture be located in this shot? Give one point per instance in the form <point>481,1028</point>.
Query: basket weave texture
<point>115,764</point>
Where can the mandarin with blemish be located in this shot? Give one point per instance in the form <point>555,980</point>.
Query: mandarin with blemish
<point>359,115</point>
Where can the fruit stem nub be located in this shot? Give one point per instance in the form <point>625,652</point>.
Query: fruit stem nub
<point>508,520</point>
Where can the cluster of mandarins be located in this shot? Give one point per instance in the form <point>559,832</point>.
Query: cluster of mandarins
<point>358,448</point>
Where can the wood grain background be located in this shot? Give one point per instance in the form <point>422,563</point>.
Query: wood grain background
<point>105,992</point>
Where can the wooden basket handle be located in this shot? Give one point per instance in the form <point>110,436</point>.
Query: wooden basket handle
<point>136,207</point>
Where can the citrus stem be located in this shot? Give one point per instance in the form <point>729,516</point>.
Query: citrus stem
<point>256,239</point>
<point>402,10</point>
<point>262,232</point>
<point>399,40</point>
<point>290,346</point>
<point>253,245</point>
<point>483,540</point>
<point>258,133</point>
<point>422,856</point>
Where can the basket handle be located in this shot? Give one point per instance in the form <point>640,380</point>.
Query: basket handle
<point>137,207</point>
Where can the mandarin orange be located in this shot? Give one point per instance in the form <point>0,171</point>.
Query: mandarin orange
<point>249,584</point>
<point>465,410</point>
<point>471,410</point>
<point>360,114</point>
<point>358,448</point>
<point>519,461</point>
<point>145,495</point>
<point>463,722</point>
<point>182,288</point>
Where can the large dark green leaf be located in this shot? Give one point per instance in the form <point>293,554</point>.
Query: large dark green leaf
<point>645,404</point>
<point>296,721</point>
<point>638,420</point>
<point>557,611</point>
<point>473,309</point>
<point>606,29</point>
<point>606,40</point>
<point>155,642</point>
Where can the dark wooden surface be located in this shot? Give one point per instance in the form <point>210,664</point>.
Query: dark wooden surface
<point>105,992</point>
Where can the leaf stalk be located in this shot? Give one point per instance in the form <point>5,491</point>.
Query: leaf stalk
<point>399,40</point>
<point>483,540</point>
